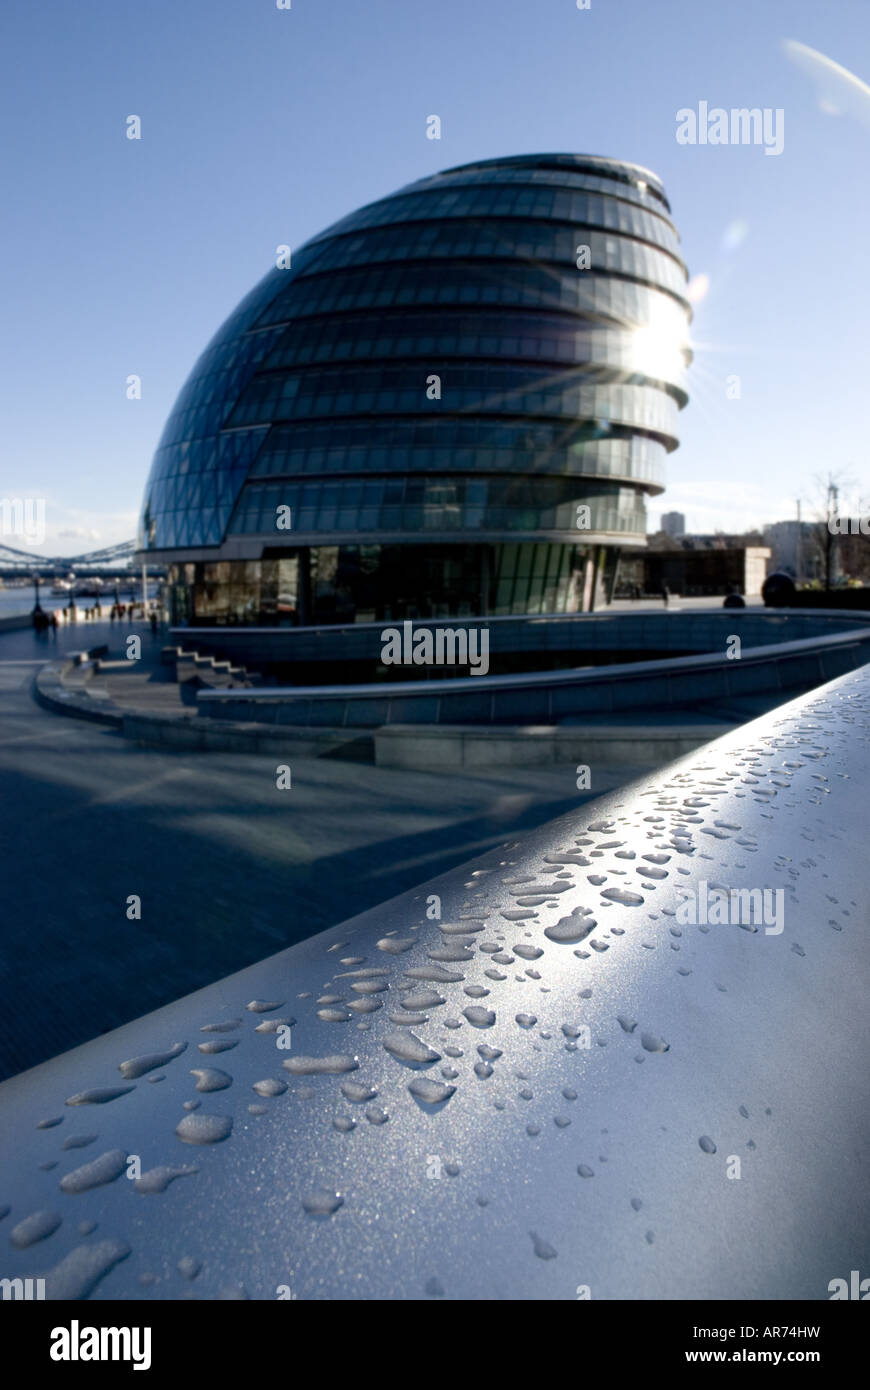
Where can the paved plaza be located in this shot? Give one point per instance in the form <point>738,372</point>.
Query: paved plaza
<point>229,869</point>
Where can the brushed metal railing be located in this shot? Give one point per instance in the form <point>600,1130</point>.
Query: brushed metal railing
<point>561,1087</point>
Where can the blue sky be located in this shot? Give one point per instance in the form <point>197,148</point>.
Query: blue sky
<point>261,126</point>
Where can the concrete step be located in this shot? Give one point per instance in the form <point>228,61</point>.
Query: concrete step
<point>216,674</point>
<point>104,667</point>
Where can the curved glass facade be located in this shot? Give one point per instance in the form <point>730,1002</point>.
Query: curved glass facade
<point>456,401</point>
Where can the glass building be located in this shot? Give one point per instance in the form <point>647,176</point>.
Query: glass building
<point>453,402</point>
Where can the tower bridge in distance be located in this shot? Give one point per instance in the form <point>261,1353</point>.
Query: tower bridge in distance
<point>111,562</point>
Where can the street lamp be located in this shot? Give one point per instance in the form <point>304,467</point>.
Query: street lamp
<point>40,617</point>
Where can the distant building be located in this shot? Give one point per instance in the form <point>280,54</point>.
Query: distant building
<point>674,523</point>
<point>695,566</point>
<point>796,549</point>
<point>807,551</point>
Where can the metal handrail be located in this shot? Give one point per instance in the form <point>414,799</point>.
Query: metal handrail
<point>600,1098</point>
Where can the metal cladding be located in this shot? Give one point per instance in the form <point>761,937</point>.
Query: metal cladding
<point>605,1063</point>
<point>474,357</point>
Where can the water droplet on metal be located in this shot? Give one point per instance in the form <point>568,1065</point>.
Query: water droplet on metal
<point>430,1091</point>
<point>38,1226</point>
<point>158,1179</point>
<point>321,1066</point>
<point>542,1248</point>
<point>410,1050</point>
<point>322,1202</point>
<point>100,1095</point>
<point>200,1128</point>
<point>211,1079</point>
<point>269,1087</point>
<point>104,1169</point>
<point>479,1017</point>
<point>138,1066</point>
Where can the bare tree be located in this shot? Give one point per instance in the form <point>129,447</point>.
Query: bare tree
<point>824,534</point>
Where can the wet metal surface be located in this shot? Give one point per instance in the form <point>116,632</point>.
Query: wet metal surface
<point>576,1078</point>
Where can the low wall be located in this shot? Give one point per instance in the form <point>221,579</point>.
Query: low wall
<point>695,631</point>
<point>17,623</point>
<point>63,687</point>
<point>440,747</point>
<point>223,736</point>
<point>549,697</point>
